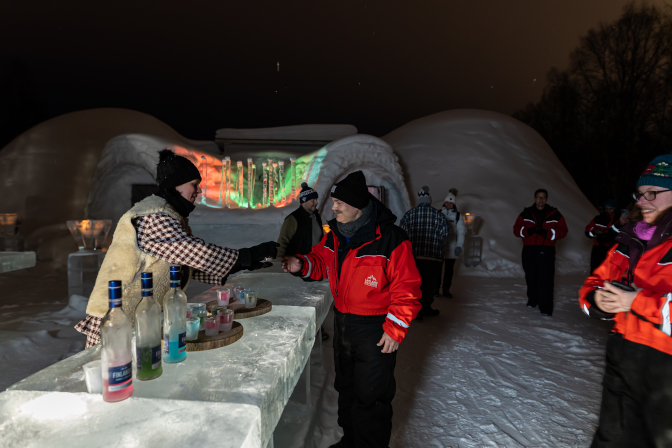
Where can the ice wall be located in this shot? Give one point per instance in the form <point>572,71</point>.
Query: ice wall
<point>496,163</point>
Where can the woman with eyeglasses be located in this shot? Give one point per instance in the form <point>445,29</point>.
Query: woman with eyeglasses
<point>633,287</point>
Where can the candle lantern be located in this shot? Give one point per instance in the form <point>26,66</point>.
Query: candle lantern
<point>473,244</point>
<point>10,240</point>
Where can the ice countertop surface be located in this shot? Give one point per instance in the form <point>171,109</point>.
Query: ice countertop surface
<point>260,369</point>
<point>62,420</point>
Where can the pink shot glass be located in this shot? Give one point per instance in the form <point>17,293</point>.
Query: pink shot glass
<point>211,326</point>
<point>225,320</point>
<point>223,296</point>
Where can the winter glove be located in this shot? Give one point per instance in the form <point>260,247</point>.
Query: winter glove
<point>458,251</point>
<point>264,250</point>
<point>531,231</point>
<point>542,233</point>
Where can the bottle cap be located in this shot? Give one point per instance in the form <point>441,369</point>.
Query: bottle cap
<point>114,288</point>
<point>175,273</point>
<point>146,280</point>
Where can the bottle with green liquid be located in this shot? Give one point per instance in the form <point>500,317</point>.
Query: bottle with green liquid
<point>148,332</point>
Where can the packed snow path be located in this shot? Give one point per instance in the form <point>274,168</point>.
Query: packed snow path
<point>489,371</point>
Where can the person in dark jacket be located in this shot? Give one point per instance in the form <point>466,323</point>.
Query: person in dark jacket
<point>540,226</point>
<point>302,229</point>
<point>603,230</point>
<point>376,288</point>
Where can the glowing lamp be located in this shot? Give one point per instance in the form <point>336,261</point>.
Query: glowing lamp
<point>8,223</point>
<point>90,234</point>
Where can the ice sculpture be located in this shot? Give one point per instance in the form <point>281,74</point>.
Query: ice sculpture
<point>222,183</point>
<point>292,169</point>
<point>13,261</point>
<point>265,195</point>
<point>240,198</point>
<point>204,167</point>
<point>473,244</point>
<point>250,183</point>
<point>281,180</point>
<point>271,173</point>
<point>83,265</point>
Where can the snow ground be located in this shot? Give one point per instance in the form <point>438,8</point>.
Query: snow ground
<point>489,372</point>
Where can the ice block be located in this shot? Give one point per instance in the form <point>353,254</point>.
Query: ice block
<point>13,261</point>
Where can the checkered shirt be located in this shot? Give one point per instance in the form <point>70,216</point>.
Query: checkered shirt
<point>163,237</point>
<point>426,228</point>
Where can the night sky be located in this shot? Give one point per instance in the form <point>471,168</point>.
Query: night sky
<point>201,66</point>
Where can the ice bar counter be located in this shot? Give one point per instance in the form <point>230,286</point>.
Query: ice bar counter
<point>258,371</point>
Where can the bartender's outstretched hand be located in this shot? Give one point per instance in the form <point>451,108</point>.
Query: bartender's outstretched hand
<point>264,250</point>
<point>389,344</point>
<point>291,264</point>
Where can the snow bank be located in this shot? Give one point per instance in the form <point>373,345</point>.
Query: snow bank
<point>496,163</point>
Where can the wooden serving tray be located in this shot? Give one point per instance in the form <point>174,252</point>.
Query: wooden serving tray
<point>211,342</point>
<point>239,310</point>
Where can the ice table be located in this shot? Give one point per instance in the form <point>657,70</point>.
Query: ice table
<point>281,289</point>
<point>13,261</point>
<point>81,420</point>
<point>261,369</point>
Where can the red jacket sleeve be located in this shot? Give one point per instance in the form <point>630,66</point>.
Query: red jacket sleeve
<point>404,286</point>
<point>589,229</point>
<point>314,264</point>
<point>520,227</point>
<point>561,229</point>
<point>592,284</point>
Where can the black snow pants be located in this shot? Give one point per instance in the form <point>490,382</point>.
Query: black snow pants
<point>636,406</point>
<point>364,380</point>
<point>597,256</point>
<point>448,267</point>
<point>539,267</point>
<point>430,272</point>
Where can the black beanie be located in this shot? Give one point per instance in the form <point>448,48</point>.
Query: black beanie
<point>174,170</point>
<point>352,190</point>
<point>307,193</point>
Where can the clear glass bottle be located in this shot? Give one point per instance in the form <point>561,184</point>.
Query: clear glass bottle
<point>175,320</point>
<point>116,358</point>
<point>148,332</point>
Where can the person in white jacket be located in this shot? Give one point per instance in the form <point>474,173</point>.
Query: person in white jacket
<point>453,244</point>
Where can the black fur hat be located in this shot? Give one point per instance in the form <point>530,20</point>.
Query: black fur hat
<point>174,170</point>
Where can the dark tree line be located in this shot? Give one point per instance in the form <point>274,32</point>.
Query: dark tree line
<point>610,112</point>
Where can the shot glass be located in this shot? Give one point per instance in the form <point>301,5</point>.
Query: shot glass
<point>225,320</point>
<point>93,374</point>
<point>212,326</point>
<point>192,327</point>
<point>250,299</point>
<point>223,296</point>
<point>216,310</point>
<point>198,309</point>
<point>239,294</point>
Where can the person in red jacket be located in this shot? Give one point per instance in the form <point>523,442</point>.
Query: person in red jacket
<point>540,226</point>
<point>603,229</point>
<point>633,286</point>
<point>376,288</point>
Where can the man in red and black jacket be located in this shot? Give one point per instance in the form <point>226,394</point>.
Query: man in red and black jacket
<point>376,287</point>
<point>603,230</point>
<point>540,226</point>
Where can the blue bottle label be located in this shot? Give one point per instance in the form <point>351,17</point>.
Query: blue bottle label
<point>119,377</point>
<point>156,357</point>
<point>183,343</point>
<point>166,343</point>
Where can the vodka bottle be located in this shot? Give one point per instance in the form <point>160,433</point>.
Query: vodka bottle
<point>148,332</point>
<point>175,320</point>
<point>116,359</point>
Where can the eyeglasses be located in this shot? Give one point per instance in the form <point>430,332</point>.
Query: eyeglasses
<point>648,195</point>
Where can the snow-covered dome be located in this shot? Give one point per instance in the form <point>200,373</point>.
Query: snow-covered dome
<point>496,163</point>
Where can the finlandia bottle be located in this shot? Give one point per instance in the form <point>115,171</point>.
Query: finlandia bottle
<point>116,359</point>
<point>148,332</point>
<point>175,320</point>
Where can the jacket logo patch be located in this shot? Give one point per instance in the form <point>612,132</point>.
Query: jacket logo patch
<point>371,281</point>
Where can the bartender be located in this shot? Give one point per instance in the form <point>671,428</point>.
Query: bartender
<point>153,235</point>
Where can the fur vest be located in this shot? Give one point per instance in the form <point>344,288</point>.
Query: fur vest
<point>125,261</point>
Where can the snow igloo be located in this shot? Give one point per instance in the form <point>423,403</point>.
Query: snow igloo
<point>496,163</point>
<point>248,193</point>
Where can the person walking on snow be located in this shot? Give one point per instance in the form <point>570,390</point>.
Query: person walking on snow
<point>633,287</point>
<point>426,228</point>
<point>540,226</point>
<point>302,229</point>
<point>453,244</point>
<point>153,235</point>
<point>603,229</point>
<point>376,289</point>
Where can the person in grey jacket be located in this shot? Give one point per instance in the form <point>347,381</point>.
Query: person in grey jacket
<point>454,242</point>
